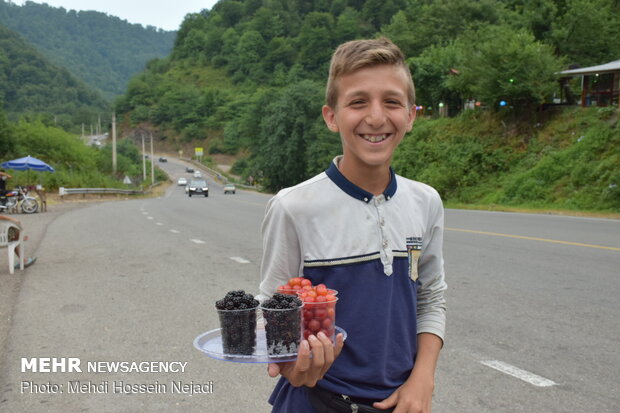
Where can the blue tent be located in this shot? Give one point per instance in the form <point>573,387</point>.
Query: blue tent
<point>27,163</point>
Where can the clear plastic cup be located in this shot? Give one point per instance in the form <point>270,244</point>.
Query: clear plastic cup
<point>282,330</point>
<point>319,315</point>
<point>286,289</point>
<point>238,328</point>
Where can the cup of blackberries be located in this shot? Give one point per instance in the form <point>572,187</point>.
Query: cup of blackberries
<point>282,316</point>
<point>237,313</point>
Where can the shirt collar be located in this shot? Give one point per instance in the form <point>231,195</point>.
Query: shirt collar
<point>353,190</point>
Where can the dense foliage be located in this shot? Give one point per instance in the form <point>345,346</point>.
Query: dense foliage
<point>31,86</point>
<point>103,51</point>
<point>77,165</point>
<point>247,77</point>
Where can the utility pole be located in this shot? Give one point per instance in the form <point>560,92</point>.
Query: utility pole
<point>98,124</point>
<point>152,161</point>
<point>114,143</point>
<point>143,158</point>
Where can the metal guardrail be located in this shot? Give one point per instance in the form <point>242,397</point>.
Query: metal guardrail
<point>71,191</point>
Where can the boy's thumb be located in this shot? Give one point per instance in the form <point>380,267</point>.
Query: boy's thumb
<point>273,369</point>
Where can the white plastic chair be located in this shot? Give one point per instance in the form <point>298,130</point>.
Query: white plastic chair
<point>12,245</point>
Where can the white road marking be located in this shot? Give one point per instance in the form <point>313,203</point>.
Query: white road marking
<point>149,218</point>
<point>159,223</point>
<point>524,375</point>
<point>144,213</point>
<point>175,231</point>
<point>240,260</point>
<point>197,241</point>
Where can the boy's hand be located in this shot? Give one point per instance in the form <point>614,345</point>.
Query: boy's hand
<point>306,370</point>
<point>414,396</point>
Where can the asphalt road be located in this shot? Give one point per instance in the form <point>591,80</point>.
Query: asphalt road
<point>534,315</point>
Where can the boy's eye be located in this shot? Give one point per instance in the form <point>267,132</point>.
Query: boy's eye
<point>356,102</point>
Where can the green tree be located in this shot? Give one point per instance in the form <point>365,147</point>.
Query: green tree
<point>285,133</point>
<point>315,41</point>
<point>7,142</point>
<point>432,71</point>
<point>498,63</point>
<point>350,25</point>
<point>589,32</point>
<point>248,53</point>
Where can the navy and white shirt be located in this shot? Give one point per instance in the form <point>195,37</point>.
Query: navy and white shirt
<point>383,254</point>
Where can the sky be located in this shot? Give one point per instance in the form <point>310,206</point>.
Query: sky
<point>163,14</point>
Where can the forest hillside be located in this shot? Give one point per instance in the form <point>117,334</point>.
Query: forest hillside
<point>247,79</point>
<point>101,50</point>
<point>32,87</point>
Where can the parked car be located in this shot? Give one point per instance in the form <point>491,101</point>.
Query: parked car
<point>197,174</point>
<point>163,159</point>
<point>189,170</point>
<point>230,189</point>
<point>182,181</point>
<point>198,187</point>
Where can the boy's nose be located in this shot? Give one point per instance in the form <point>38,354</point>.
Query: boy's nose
<point>376,115</point>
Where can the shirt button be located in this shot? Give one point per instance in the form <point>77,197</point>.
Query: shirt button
<point>382,222</point>
<point>385,243</point>
<point>365,199</point>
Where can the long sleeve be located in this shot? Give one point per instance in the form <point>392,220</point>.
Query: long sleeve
<point>431,306</point>
<point>282,258</point>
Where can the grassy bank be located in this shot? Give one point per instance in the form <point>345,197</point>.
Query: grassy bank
<point>568,160</point>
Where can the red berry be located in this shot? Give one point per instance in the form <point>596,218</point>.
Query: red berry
<point>314,325</point>
<point>321,289</point>
<point>295,281</point>
<point>320,313</point>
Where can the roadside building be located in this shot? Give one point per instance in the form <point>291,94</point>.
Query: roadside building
<point>600,85</point>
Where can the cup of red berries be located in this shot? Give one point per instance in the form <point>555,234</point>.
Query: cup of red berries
<point>237,313</point>
<point>319,311</point>
<point>282,315</point>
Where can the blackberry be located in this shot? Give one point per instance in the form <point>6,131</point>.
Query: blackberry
<point>238,322</point>
<point>282,314</point>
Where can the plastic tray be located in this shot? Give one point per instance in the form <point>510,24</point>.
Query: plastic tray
<point>210,343</point>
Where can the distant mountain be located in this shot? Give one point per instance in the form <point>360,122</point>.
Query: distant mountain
<point>31,85</point>
<point>103,51</point>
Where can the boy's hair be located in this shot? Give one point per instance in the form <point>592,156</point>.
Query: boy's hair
<point>358,54</point>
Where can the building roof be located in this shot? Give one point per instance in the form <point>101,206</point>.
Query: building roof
<point>605,68</point>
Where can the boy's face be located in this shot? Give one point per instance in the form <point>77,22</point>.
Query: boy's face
<point>372,115</point>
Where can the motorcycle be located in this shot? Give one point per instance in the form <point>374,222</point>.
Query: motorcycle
<point>18,198</point>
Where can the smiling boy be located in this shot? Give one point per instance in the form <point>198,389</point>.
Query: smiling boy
<point>374,236</point>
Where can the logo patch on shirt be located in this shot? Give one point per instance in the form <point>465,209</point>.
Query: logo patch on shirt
<point>414,249</point>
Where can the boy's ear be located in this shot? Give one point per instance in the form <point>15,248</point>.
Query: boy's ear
<point>412,114</point>
<point>329,116</point>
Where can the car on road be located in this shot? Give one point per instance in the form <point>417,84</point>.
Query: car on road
<point>163,159</point>
<point>197,174</point>
<point>197,187</point>
<point>182,181</point>
<point>230,189</point>
<point>189,170</point>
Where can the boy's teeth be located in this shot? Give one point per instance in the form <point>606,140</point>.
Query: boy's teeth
<point>374,138</point>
